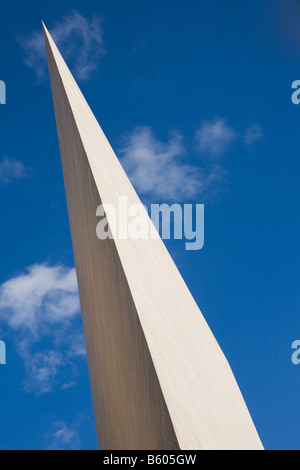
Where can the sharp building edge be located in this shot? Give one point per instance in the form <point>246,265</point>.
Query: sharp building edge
<point>159,379</point>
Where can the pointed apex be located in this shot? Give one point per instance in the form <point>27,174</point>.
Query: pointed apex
<point>46,32</point>
<point>48,38</point>
<point>44,27</point>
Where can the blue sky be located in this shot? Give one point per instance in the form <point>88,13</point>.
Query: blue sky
<point>202,90</point>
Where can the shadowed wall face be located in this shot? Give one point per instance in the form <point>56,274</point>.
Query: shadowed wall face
<point>130,409</point>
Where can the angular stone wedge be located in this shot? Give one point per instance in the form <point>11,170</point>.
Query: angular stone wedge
<point>159,379</point>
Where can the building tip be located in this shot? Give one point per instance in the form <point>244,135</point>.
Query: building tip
<point>46,32</point>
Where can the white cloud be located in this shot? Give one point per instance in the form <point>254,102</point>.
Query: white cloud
<point>63,437</point>
<point>253,134</point>
<point>157,168</point>
<point>80,40</point>
<point>43,294</point>
<point>42,307</point>
<point>214,137</point>
<point>11,170</point>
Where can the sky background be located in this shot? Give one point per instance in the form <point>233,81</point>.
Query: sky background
<point>195,98</point>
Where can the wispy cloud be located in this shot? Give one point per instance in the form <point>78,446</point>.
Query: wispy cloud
<point>42,306</point>
<point>63,437</point>
<point>79,39</point>
<point>41,369</point>
<point>12,170</point>
<point>253,134</point>
<point>159,168</point>
<point>138,46</point>
<point>215,137</point>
